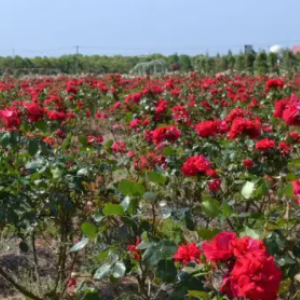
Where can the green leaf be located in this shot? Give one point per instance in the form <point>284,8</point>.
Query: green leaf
<point>57,172</point>
<point>41,125</point>
<point>169,151</point>
<point>126,187</point>
<point>208,234</point>
<point>166,271</point>
<point>199,295</point>
<point>103,271</point>
<point>5,139</point>
<point>83,141</point>
<point>130,188</point>
<point>33,147</point>
<point>291,177</point>
<point>288,190</point>
<point>250,232</point>
<point>157,178</point>
<point>153,255</point>
<point>138,189</point>
<point>67,142</point>
<point>80,245</point>
<point>227,209</point>
<point>118,270</point>
<point>113,210</point>
<point>89,229</point>
<point>248,189</point>
<point>211,207</point>
<point>263,188</point>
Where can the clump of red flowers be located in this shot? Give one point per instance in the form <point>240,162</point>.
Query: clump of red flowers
<point>187,253</point>
<point>252,272</point>
<point>167,133</point>
<point>265,145</point>
<point>274,83</point>
<point>242,126</point>
<point>197,165</point>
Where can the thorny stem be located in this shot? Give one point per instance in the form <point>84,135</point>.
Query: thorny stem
<point>65,285</point>
<point>153,219</point>
<point>36,263</point>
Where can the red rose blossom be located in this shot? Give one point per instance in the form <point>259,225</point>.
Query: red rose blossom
<point>220,247</point>
<point>187,253</point>
<point>265,144</point>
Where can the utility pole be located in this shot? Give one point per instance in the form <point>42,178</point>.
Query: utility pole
<point>76,62</point>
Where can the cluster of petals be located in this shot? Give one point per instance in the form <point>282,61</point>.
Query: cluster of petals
<point>166,133</point>
<point>196,165</point>
<point>252,272</point>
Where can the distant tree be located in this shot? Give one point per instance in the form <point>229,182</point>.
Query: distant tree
<point>185,63</point>
<point>224,63</point>
<point>240,62</point>
<point>230,60</point>
<point>273,61</point>
<point>261,63</point>
<point>174,62</point>
<point>218,63</point>
<point>289,62</point>
<point>249,61</point>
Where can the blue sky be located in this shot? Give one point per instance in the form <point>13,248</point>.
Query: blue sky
<point>129,27</point>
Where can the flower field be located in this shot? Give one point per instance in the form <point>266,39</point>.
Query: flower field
<point>187,186</point>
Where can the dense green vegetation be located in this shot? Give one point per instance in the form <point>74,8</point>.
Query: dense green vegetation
<point>254,63</point>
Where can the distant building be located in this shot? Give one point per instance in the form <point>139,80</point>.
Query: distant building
<point>276,49</point>
<point>296,49</point>
<point>249,49</point>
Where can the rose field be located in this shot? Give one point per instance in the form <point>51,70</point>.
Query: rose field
<point>149,188</point>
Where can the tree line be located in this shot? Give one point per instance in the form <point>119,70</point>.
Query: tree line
<point>252,62</point>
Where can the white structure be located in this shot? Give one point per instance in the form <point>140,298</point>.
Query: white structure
<point>276,49</point>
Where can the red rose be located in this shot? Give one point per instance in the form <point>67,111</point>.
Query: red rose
<point>296,189</point>
<point>187,253</point>
<point>284,148</point>
<point>119,147</point>
<point>291,116</point>
<point>11,117</point>
<point>280,106</point>
<point>254,277</point>
<point>274,84</point>
<point>244,126</point>
<point>220,247</point>
<point>168,133</point>
<point>134,249</point>
<point>246,245</point>
<point>248,164</point>
<point>35,113</point>
<point>161,107</point>
<point>91,139</point>
<point>295,136</point>
<point>235,113</point>
<point>265,144</point>
<point>56,115</point>
<point>207,128</point>
<point>215,185</point>
<point>72,282</point>
<point>196,165</point>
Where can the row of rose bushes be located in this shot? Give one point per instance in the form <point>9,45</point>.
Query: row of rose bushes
<point>187,184</point>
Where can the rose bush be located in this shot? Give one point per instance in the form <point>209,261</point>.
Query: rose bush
<point>188,186</point>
